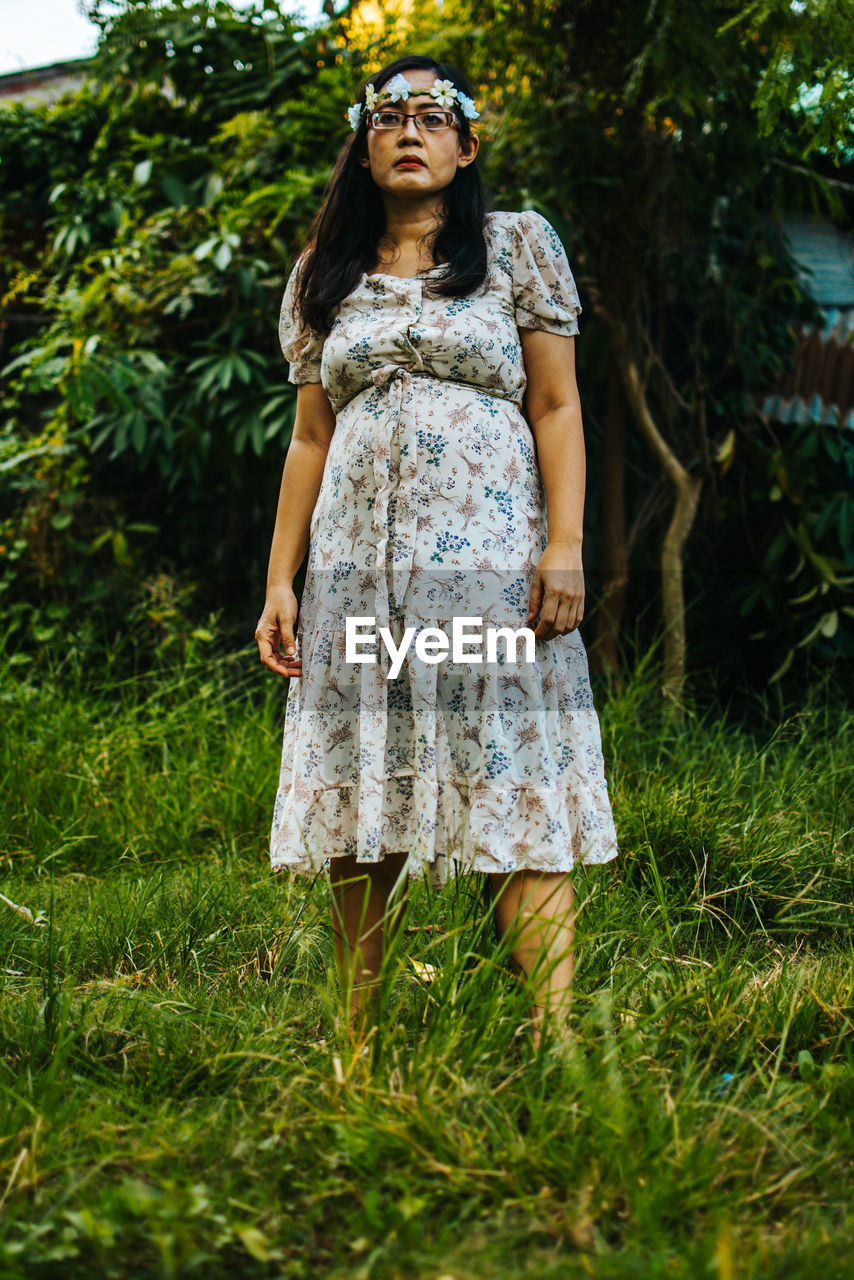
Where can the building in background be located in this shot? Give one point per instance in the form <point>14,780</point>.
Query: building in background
<point>40,85</point>
<point>819,385</point>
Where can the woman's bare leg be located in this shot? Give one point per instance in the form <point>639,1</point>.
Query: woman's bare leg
<point>363,922</point>
<point>537,910</point>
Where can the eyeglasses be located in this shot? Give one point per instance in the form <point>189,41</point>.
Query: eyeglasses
<point>433,121</point>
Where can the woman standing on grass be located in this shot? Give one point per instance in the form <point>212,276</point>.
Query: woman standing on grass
<point>416,324</point>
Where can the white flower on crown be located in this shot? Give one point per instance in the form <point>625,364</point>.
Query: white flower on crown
<point>444,92</point>
<point>398,88</point>
<point>354,114</point>
<point>467,106</point>
<point>371,97</point>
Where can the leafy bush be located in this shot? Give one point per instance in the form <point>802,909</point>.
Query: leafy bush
<point>147,409</point>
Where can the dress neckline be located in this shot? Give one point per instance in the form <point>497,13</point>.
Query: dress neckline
<point>386,275</point>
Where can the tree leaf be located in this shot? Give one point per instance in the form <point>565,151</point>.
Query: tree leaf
<point>222,255</point>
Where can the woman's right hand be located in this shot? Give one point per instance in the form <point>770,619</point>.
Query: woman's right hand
<point>275,632</point>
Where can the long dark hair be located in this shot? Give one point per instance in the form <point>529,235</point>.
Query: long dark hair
<point>347,227</point>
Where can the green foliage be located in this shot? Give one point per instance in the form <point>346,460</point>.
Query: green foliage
<point>807,81</point>
<point>808,555</point>
<point>146,350</point>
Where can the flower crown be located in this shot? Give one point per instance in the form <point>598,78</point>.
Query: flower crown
<point>398,89</point>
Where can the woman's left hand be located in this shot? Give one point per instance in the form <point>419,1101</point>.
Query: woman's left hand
<point>557,590</point>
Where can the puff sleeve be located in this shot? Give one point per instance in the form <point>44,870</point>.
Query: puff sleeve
<point>544,292</point>
<point>301,346</point>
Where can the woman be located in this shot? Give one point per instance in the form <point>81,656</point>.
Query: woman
<point>416,325</point>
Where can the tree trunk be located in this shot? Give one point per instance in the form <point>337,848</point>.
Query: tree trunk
<point>687,490</point>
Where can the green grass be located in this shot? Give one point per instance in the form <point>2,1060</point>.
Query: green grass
<point>175,1101</point>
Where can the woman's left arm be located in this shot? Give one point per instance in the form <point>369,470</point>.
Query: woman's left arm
<point>554,412</point>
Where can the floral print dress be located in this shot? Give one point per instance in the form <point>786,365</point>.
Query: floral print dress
<point>432,508</point>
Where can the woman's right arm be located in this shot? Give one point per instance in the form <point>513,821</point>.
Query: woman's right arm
<point>301,479</point>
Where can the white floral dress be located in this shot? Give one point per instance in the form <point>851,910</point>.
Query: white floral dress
<point>432,507</point>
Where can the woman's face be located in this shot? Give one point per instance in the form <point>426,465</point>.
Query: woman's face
<point>441,152</point>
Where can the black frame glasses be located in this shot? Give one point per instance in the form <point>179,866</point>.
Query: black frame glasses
<point>420,118</point>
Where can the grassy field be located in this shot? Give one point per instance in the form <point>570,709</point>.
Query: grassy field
<point>175,1101</point>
